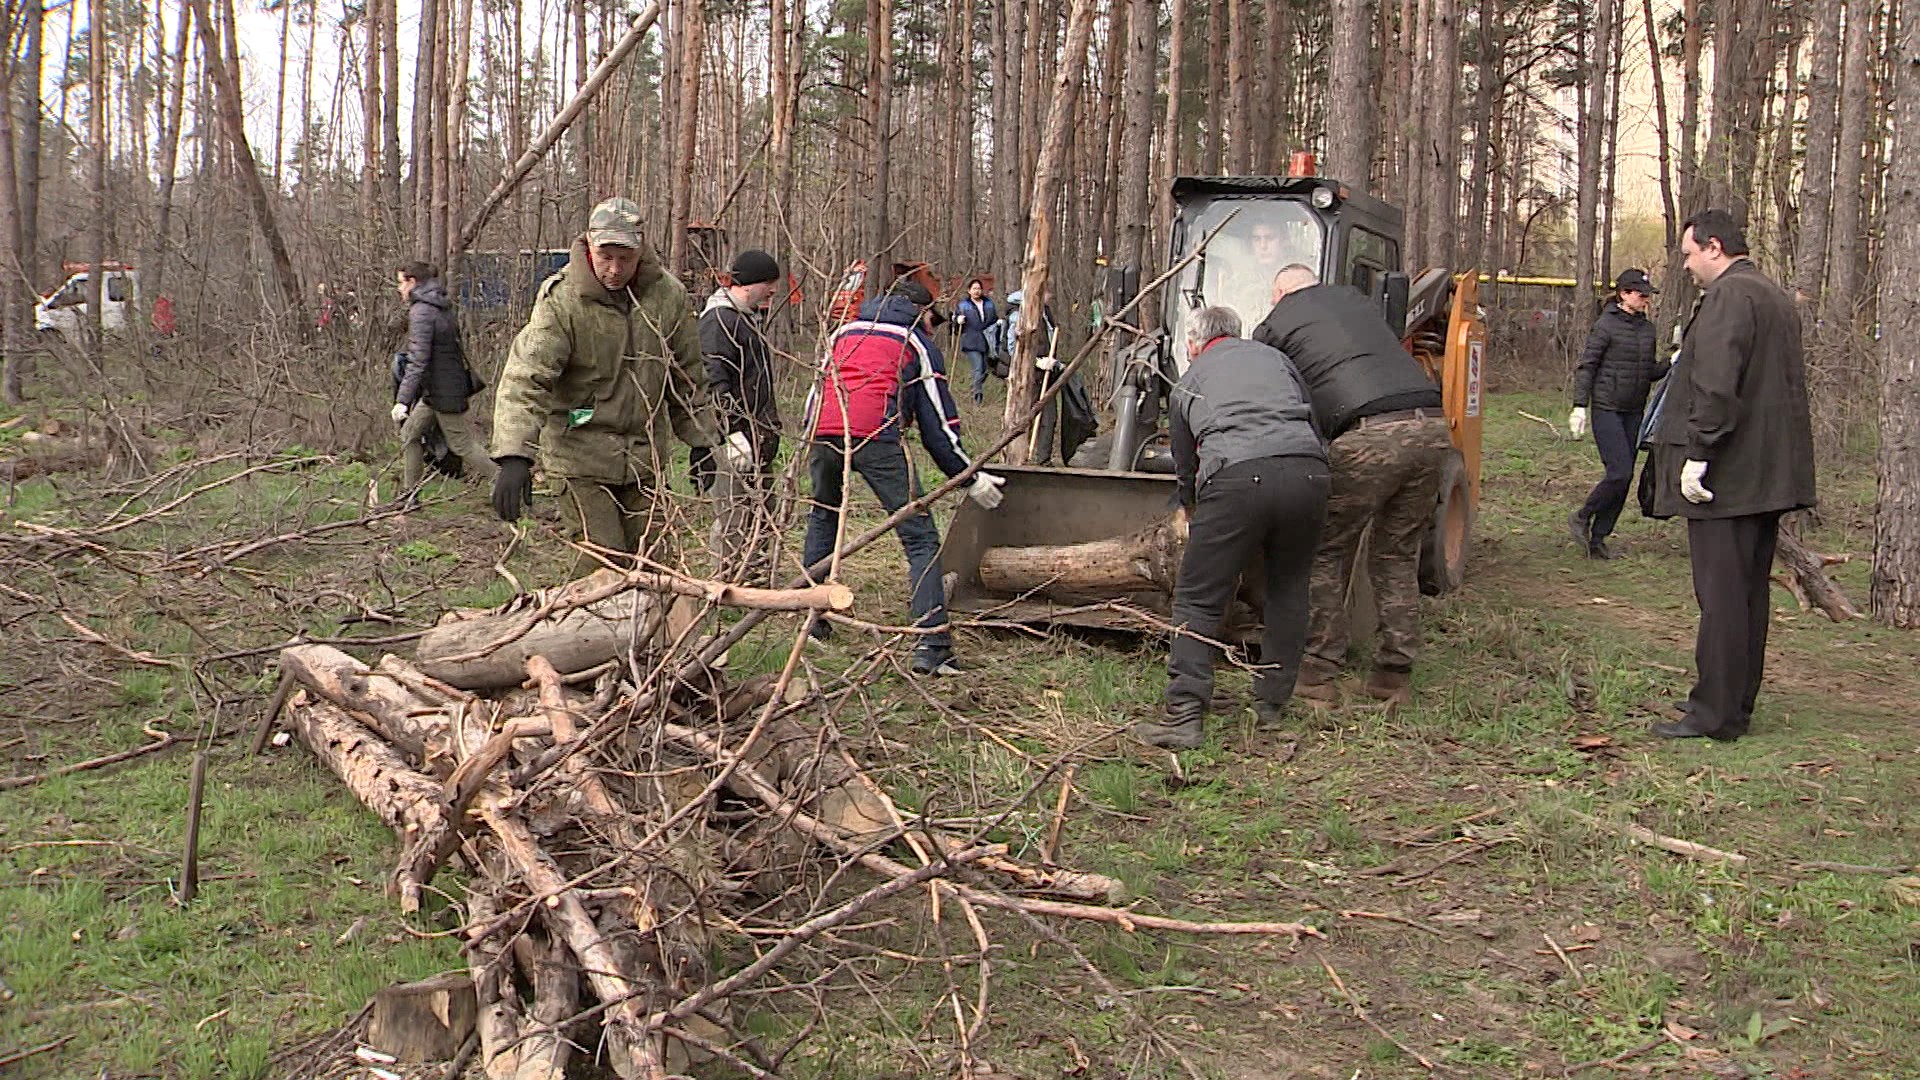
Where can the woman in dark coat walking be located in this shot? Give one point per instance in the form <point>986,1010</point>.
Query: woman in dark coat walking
<point>1618,366</point>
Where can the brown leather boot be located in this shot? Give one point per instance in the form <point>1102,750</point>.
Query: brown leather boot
<point>1317,684</point>
<point>1391,687</point>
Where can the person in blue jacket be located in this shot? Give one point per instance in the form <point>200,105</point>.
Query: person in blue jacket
<point>975,317</point>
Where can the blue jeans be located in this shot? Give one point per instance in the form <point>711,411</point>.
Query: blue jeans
<point>979,362</point>
<point>1617,434</point>
<point>883,465</point>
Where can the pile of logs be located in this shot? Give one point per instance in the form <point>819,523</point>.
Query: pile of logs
<point>610,814</point>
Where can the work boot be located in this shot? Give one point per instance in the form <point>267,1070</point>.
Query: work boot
<point>1317,684</point>
<point>940,664</point>
<point>1580,526</point>
<point>1598,549</point>
<point>1268,716</point>
<point>1392,687</point>
<point>1182,728</point>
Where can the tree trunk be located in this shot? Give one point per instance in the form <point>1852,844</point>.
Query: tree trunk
<point>154,280</point>
<point>1609,174</point>
<point>420,186</point>
<point>1486,73</point>
<point>1148,559</point>
<point>457,136</point>
<point>1856,96</point>
<point>1215,112</point>
<point>280,91</point>
<point>1350,111</point>
<point>583,131</point>
<point>1170,133</point>
<point>370,68</point>
<point>1137,97</point>
<point>1443,144</point>
<point>1008,195</point>
<point>390,108</point>
<point>880,125</point>
<point>1667,209</point>
<point>1022,389</point>
<point>1239,96</point>
<point>1816,178</point>
<point>1895,594</point>
<point>437,240</point>
<point>693,27</point>
<point>96,182</point>
<point>1419,124</point>
<point>227,84</point>
<point>1592,133</point>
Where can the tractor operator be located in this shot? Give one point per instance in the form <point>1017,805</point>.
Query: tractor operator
<point>609,360</point>
<point>1387,444</point>
<point>1253,477</point>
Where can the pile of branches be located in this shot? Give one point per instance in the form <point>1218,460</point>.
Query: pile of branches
<point>622,813</point>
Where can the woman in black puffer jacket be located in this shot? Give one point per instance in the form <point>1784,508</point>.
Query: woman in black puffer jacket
<point>1618,366</point>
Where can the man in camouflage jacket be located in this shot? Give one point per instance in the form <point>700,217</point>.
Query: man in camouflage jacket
<point>608,362</point>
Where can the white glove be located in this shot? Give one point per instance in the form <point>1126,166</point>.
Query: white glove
<point>1046,363</point>
<point>399,413</point>
<point>1577,421</point>
<point>1693,486</point>
<point>737,452</point>
<point>986,490</point>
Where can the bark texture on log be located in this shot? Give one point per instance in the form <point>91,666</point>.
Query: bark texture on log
<point>457,652</point>
<point>378,776</point>
<point>377,700</point>
<point>423,1021</point>
<point>1809,573</point>
<point>1148,559</point>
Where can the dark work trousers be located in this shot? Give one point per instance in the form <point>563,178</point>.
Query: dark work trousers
<point>1266,512</point>
<point>1617,434</point>
<point>883,465</point>
<point>1732,558</point>
<point>1047,423</point>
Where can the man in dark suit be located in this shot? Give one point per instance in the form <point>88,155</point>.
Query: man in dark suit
<point>1732,452</point>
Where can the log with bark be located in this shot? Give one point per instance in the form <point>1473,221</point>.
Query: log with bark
<point>1809,581</point>
<point>1145,560</point>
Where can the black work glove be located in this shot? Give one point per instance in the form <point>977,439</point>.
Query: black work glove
<point>513,488</point>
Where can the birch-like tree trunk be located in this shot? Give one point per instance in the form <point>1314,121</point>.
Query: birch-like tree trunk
<point>693,20</point>
<point>1816,177</point>
<point>880,129</point>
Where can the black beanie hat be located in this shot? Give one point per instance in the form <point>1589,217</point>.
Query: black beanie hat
<point>751,267</point>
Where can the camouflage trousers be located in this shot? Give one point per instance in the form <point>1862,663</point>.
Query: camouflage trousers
<point>618,517</point>
<point>1387,476</point>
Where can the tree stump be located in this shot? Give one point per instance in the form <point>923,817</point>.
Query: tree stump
<point>423,1021</point>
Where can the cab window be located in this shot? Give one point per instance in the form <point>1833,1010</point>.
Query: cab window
<point>1369,256</point>
<point>117,289</point>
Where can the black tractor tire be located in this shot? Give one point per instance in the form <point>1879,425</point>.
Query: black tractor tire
<point>1443,551</point>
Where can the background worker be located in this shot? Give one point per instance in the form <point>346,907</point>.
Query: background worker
<point>1253,478</point>
<point>608,362</point>
<point>740,380</point>
<point>1619,365</point>
<point>1733,451</point>
<point>883,373</point>
<point>435,383</point>
<point>1387,442</point>
<point>974,316</point>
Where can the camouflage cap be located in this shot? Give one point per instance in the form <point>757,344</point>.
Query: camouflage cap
<point>616,222</point>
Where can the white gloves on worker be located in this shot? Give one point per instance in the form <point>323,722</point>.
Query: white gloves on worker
<point>1577,421</point>
<point>737,452</point>
<point>1046,363</point>
<point>985,490</point>
<point>1693,487</point>
<point>399,413</point>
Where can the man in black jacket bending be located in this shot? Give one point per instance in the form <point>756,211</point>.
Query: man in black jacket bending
<point>1387,444</point>
<point>1618,366</point>
<point>740,377</point>
<point>1253,475</point>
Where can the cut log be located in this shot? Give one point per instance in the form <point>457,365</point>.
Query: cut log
<point>423,1021</point>
<point>490,652</point>
<point>1815,585</point>
<point>556,999</point>
<point>379,777</point>
<point>377,700</point>
<point>1148,559</point>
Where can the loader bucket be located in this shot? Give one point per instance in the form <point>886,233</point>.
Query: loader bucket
<point>1050,507</point>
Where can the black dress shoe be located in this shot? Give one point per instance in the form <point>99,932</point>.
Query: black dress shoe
<point>1684,729</point>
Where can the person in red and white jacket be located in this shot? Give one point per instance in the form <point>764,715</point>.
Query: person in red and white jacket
<point>883,373</point>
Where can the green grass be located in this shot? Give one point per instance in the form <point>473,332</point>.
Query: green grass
<point>1528,712</point>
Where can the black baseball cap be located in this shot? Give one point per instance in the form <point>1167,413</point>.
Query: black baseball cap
<point>1634,281</point>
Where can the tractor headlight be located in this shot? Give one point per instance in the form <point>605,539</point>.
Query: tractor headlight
<point>1322,198</point>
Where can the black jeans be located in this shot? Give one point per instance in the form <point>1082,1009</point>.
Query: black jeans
<point>883,465</point>
<point>1732,560</point>
<point>1617,434</point>
<point>1264,513</point>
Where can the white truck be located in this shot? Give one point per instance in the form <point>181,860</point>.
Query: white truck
<point>64,310</point>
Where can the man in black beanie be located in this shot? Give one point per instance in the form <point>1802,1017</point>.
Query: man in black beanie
<point>740,377</point>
